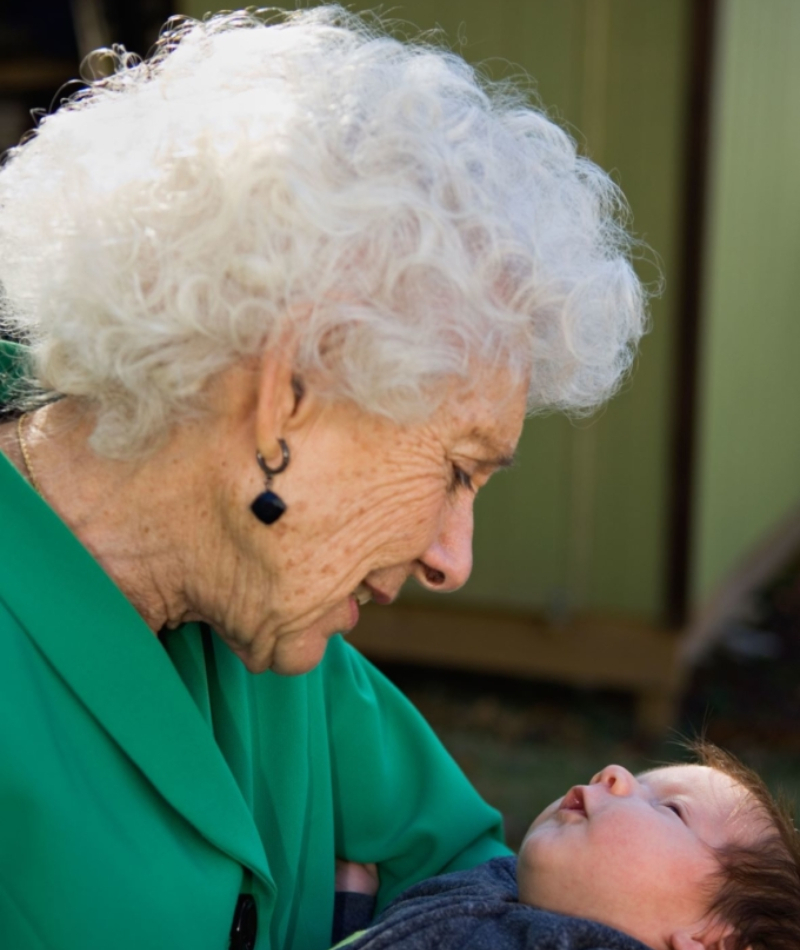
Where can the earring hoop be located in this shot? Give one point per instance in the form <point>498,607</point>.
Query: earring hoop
<point>272,472</point>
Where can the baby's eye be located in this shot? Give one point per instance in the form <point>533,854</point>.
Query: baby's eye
<point>673,807</point>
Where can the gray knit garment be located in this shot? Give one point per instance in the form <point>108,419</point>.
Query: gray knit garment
<point>478,910</point>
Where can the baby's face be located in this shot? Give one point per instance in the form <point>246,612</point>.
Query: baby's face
<point>635,852</point>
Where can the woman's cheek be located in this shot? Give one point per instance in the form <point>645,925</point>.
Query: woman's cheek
<point>399,531</point>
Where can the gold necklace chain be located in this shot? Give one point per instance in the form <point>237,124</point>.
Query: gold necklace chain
<point>25,456</point>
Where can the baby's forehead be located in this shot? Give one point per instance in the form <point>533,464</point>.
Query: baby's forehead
<point>683,774</point>
<point>693,778</point>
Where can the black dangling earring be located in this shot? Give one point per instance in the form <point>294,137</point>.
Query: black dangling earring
<point>268,506</point>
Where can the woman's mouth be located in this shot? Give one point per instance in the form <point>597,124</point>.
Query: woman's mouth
<point>362,594</point>
<point>365,593</point>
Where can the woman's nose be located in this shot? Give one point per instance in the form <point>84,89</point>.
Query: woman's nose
<point>447,563</point>
<point>616,778</point>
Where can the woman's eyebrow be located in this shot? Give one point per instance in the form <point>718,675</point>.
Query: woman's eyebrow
<point>497,461</point>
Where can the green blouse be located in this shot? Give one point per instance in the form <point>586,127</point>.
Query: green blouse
<point>144,786</point>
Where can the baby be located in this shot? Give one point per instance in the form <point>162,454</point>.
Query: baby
<point>686,857</point>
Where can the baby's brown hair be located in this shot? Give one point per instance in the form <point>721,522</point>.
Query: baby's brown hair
<point>757,888</point>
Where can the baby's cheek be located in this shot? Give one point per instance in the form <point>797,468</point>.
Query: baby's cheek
<point>544,858</point>
<point>526,882</point>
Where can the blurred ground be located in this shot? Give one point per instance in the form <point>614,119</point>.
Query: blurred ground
<point>524,743</point>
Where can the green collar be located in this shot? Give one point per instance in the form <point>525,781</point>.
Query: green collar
<point>90,633</point>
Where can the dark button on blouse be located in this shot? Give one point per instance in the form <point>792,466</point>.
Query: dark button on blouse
<point>245,924</point>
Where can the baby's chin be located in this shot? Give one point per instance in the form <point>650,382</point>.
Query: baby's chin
<point>540,819</point>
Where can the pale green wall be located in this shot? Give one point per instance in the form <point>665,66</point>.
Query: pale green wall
<point>580,523</point>
<point>748,474</point>
<point>644,136</point>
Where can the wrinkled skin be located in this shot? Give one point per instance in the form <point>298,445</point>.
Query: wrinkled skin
<point>370,503</point>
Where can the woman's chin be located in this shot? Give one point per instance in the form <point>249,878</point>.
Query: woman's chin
<point>293,654</point>
<point>298,658</point>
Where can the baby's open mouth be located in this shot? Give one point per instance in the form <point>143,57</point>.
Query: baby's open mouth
<point>574,801</point>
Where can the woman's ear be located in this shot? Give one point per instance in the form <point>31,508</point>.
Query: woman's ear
<point>299,390</point>
<point>281,395</point>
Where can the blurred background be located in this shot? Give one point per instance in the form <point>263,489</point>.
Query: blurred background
<point>637,574</point>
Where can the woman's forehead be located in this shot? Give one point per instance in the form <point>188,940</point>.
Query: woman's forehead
<point>488,416</point>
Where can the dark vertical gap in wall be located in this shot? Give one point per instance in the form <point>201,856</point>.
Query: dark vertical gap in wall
<point>704,14</point>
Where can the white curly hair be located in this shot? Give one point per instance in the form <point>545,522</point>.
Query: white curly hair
<point>267,174</point>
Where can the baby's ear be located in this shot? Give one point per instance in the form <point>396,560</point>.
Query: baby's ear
<point>714,937</point>
<point>681,940</point>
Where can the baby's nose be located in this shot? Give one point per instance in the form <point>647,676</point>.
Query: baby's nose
<point>617,779</point>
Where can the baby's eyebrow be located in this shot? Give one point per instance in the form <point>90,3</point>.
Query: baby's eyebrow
<point>640,775</point>
<point>669,788</point>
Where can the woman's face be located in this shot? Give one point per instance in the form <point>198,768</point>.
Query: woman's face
<point>369,503</point>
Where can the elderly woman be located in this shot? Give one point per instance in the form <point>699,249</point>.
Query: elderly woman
<point>286,291</point>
